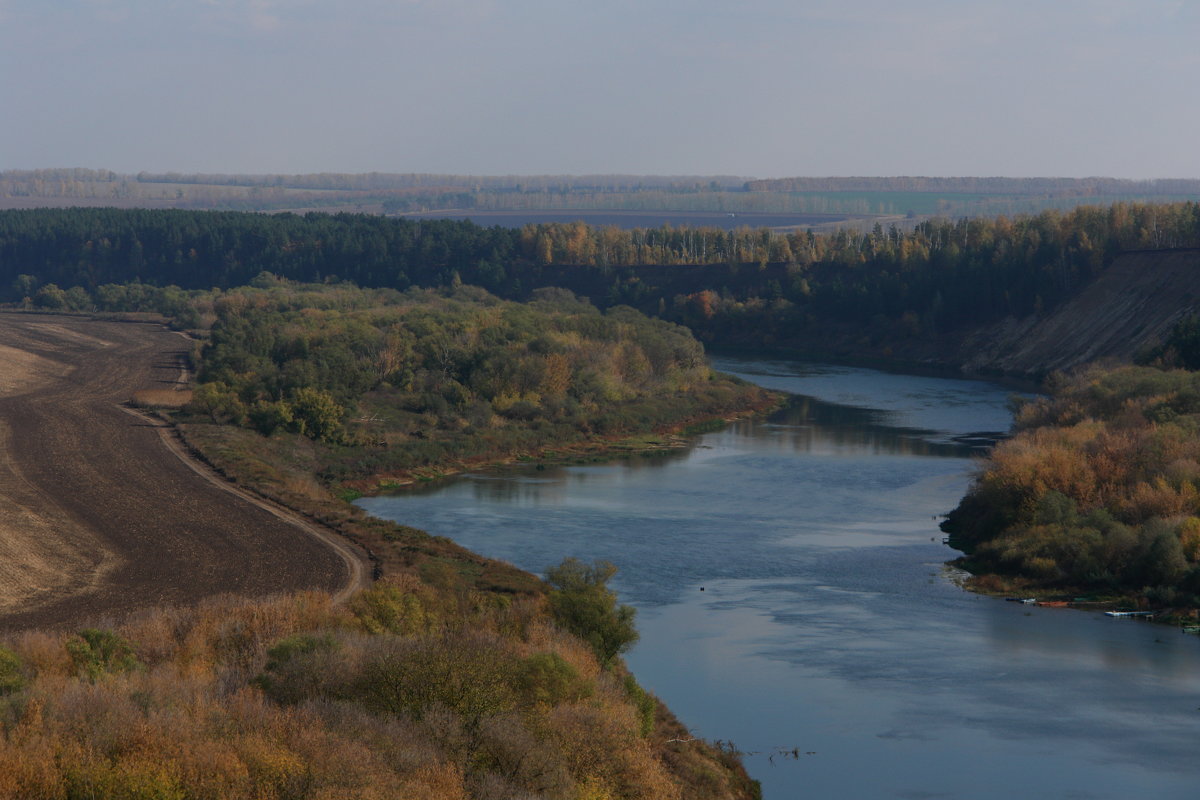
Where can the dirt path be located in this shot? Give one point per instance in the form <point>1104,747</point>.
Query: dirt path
<point>98,516</point>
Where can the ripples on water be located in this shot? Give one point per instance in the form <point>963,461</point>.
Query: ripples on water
<point>791,594</point>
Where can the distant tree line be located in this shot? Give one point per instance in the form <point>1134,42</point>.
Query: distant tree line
<point>751,287</point>
<point>916,197</point>
<point>201,250</point>
<point>1082,187</point>
<point>613,183</point>
<point>375,181</point>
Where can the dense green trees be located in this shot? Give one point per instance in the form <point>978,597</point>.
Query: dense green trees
<point>296,356</point>
<point>200,250</point>
<point>1182,347</point>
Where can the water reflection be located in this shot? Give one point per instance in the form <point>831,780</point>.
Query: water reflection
<point>949,406</point>
<point>804,425</point>
<point>808,425</point>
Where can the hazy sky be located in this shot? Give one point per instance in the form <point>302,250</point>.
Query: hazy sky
<point>764,88</point>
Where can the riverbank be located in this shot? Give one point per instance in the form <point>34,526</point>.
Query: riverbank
<point>515,689</point>
<point>1095,495</point>
<point>663,439</point>
<point>276,469</point>
<point>825,624</point>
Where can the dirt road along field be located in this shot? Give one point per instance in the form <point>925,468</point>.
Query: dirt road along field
<point>97,515</point>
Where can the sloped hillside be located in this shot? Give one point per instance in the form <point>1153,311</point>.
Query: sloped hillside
<point>1132,305</point>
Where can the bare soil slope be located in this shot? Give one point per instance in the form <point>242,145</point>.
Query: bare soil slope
<point>97,515</point>
<point>1131,305</point>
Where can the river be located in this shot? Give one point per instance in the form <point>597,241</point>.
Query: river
<point>788,575</point>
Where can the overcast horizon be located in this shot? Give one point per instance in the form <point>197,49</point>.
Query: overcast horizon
<point>761,88</point>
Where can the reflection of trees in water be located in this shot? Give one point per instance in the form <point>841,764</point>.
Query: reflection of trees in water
<point>806,424</point>
<point>516,489</point>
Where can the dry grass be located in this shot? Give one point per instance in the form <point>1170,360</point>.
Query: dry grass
<point>191,719</point>
<point>162,398</point>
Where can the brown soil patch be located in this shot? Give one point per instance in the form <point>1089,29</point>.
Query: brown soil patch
<point>97,516</point>
<point>21,371</point>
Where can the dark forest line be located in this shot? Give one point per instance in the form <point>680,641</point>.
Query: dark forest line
<point>744,287</point>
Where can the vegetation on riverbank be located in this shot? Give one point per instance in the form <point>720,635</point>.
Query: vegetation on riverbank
<point>1097,493</point>
<point>394,386</point>
<point>311,393</point>
<point>457,675</point>
<point>405,692</point>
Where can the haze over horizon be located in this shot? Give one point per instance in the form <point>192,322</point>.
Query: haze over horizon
<point>761,88</point>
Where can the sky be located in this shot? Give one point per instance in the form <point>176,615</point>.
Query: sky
<point>752,88</point>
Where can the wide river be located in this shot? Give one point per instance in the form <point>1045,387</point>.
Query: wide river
<point>788,575</point>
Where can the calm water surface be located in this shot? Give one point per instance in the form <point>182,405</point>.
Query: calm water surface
<point>791,596</point>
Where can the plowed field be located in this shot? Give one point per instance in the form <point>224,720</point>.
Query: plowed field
<point>99,514</point>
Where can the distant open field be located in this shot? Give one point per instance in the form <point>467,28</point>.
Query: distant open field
<point>626,201</point>
<point>638,219</point>
<point>81,202</point>
<point>100,515</point>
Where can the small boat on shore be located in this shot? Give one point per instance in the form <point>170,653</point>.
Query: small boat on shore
<point>1128,613</point>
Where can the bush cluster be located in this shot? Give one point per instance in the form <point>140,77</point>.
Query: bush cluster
<point>1098,490</point>
<point>423,378</point>
<point>407,692</point>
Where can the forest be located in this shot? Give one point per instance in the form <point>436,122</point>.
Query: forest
<point>394,384</point>
<point>748,288</point>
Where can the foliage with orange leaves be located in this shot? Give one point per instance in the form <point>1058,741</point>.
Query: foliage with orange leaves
<point>1098,490</point>
<point>404,692</point>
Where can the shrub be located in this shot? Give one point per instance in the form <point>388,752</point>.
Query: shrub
<point>469,675</point>
<point>583,604</point>
<point>95,653</point>
<point>644,702</point>
<point>266,417</point>
<point>394,606</point>
<point>12,678</point>
<point>136,781</point>
<point>297,667</point>
<point>547,678</point>
<point>316,414</point>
